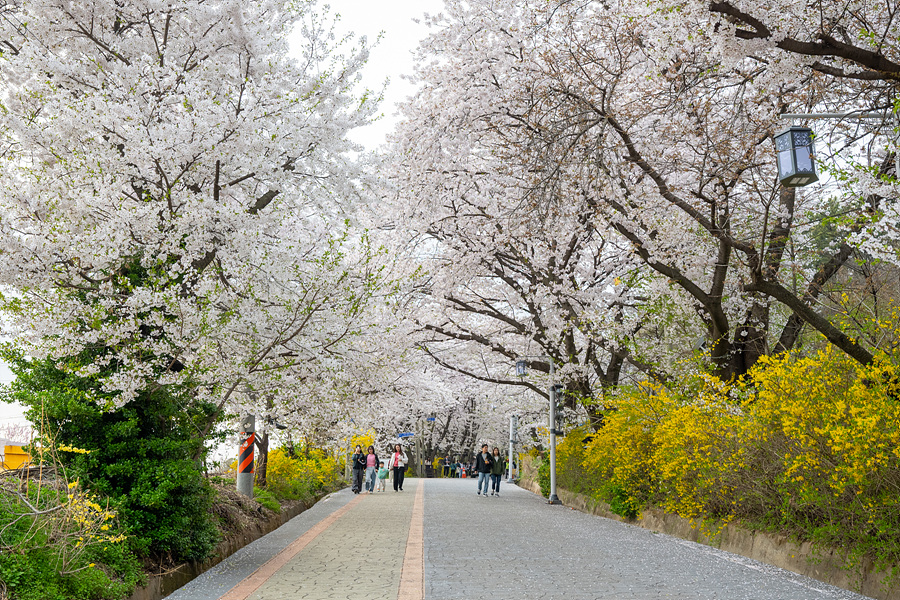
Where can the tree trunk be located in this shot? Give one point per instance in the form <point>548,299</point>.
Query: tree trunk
<point>262,461</point>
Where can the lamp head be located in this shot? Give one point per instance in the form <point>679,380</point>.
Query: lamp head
<point>795,157</point>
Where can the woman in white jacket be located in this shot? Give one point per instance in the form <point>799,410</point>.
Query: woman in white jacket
<point>397,462</point>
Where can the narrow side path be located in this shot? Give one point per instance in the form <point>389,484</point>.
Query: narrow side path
<point>347,546</point>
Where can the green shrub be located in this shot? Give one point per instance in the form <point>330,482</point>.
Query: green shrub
<point>141,455</point>
<point>267,499</point>
<point>31,575</point>
<point>72,551</point>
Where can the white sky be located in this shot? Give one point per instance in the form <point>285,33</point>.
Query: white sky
<point>390,59</point>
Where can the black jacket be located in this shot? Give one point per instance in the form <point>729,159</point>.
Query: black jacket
<point>359,461</point>
<point>482,465</point>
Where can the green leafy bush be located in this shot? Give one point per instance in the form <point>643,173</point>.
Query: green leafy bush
<point>267,499</point>
<point>70,549</point>
<point>141,455</point>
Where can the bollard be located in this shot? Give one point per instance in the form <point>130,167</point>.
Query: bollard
<point>245,456</point>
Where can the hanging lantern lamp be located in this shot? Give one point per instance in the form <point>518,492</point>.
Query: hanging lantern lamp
<point>795,157</point>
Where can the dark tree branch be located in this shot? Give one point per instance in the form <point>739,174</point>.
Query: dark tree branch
<point>880,67</point>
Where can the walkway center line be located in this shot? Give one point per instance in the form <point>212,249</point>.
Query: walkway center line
<point>262,574</point>
<point>412,586</point>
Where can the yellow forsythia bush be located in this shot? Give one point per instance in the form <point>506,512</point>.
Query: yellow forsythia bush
<point>829,430</point>
<point>299,477</point>
<point>622,450</point>
<point>807,445</point>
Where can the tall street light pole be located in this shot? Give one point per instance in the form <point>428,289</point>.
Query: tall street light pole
<point>513,438</point>
<point>521,371</point>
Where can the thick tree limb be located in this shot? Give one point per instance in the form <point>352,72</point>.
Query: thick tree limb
<point>820,323</point>
<point>880,67</point>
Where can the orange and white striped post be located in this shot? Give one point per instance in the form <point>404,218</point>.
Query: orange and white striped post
<point>245,456</point>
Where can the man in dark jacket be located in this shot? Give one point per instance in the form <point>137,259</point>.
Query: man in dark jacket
<point>483,463</point>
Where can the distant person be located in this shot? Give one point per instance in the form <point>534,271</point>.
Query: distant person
<point>382,477</point>
<point>497,470</point>
<point>398,465</point>
<point>358,460</point>
<point>457,466</point>
<point>448,463</point>
<point>371,469</point>
<point>483,463</point>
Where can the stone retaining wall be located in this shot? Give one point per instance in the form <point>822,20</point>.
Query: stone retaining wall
<point>828,566</point>
<point>164,584</point>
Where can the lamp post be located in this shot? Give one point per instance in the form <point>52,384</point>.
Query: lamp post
<point>522,371</point>
<point>513,438</point>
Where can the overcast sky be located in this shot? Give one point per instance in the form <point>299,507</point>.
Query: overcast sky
<point>391,58</point>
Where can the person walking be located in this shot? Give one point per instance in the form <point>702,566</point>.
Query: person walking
<point>371,469</point>
<point>358,460</point>
<point>483,463</point>
<point>497,470</point>
<point>382,475</point>
<point>398,465</point>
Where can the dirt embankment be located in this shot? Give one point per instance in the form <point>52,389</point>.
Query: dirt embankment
<point>242,520</point>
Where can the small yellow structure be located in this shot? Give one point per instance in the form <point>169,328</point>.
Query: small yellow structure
<point>14,457</point>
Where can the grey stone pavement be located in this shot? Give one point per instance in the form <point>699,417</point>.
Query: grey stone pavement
<point>517,546</point>
<point>507,548</point>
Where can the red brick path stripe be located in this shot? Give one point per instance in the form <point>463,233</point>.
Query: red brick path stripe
<point>262,574</point>
<point>412,576</point>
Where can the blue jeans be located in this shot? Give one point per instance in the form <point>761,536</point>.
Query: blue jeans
<point>495,483</point>
<point>370,478</point>
<point>485,477</point>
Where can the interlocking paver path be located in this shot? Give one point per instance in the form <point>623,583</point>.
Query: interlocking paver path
<point>508,548</point>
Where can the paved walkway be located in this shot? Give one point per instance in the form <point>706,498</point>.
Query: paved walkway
<point>437,540</point>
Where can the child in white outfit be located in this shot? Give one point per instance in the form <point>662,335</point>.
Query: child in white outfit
<point>381,478</point>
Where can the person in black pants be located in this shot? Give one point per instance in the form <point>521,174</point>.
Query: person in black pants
<point>358,460</point>
<point>398,464</point>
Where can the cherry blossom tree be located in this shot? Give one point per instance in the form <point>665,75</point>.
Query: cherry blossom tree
<point>642,124</point>
<point>177,191</point>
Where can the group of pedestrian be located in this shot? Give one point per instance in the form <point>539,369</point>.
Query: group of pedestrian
<point>372,472</point>
<point>490,467</point>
